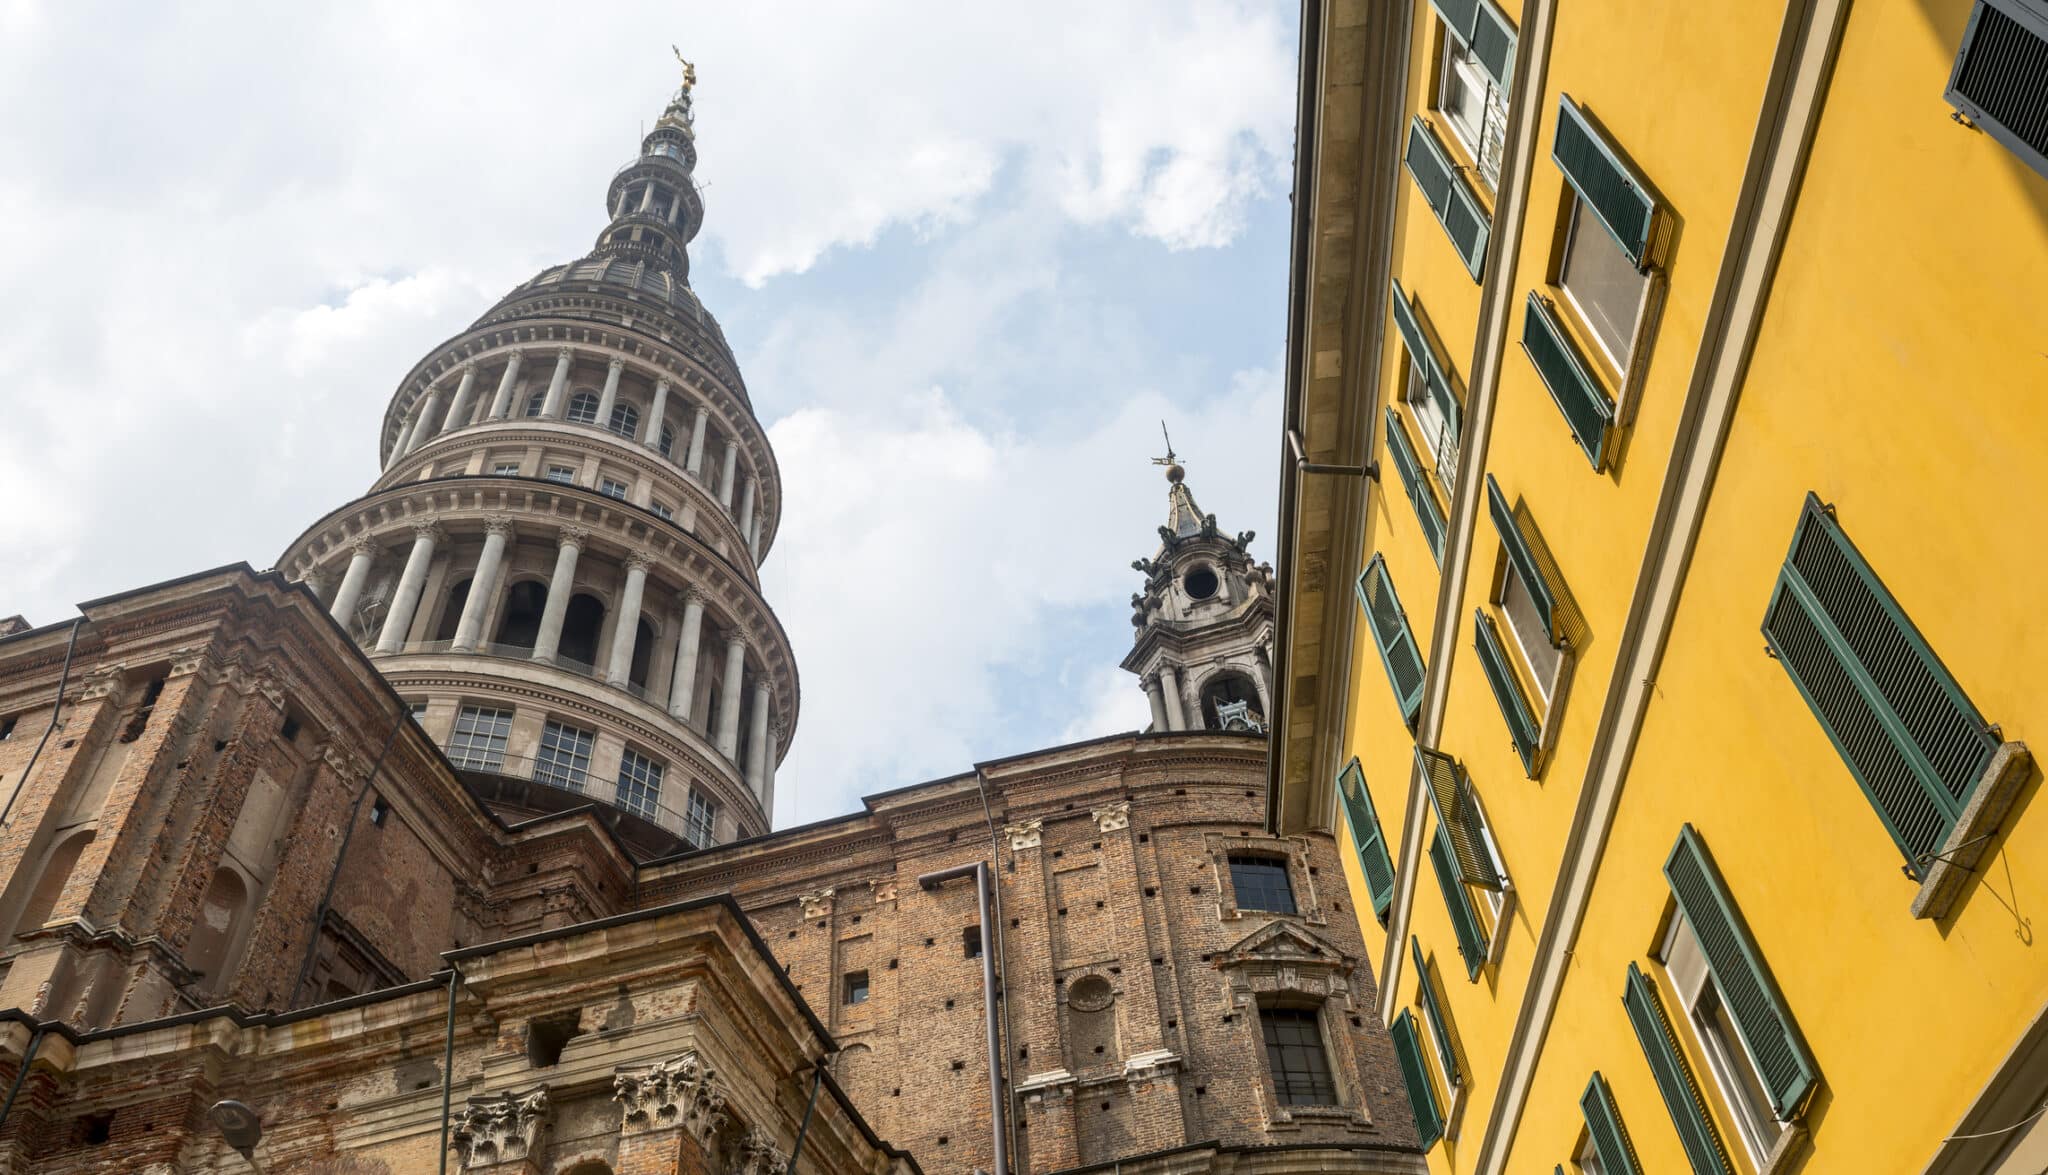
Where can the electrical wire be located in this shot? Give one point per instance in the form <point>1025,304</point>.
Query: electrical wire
<point>1996,1133</point>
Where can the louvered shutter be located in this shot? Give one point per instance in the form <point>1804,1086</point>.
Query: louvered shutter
<point>1696,1132</point>
<point>2000,78</point>
<point>1466,221</point>
<point>1768,1031</point>
<point>1439,1028</point>
<point>1910,736</point>
<point>1450,793</point>
<point>1427,163</point>
<point>1493,664</point>
<point>1568,378</point>
<point>1608,185</point>
<point>1435,375</point>
<point>1409,465</point>
<point>1373,859</point>
<point>1603,1126</point>
<point>1464,920</point>
<point>1447,194</point>
<point>1392,635</point>
<point>1493,42</point>
<point>1523,556</point>
<point>1429,1119</point>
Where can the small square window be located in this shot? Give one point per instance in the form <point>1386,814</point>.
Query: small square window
<point>855,988</point>
<point>1262,884</point>
<point>662,510</point>
<point>1602,285</point>
<point>970,942</point>
<point>6,728</point>
<point>562,473</point>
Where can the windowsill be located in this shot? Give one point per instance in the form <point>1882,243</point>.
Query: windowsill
<point>1784,1152</point>
<point>1466,159</point>
<point>1950,871</point>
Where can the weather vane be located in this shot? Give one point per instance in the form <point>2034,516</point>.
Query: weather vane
<point>689,70</point>
<point>1169,459</point>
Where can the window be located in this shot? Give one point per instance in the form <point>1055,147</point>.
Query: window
<point>1429,1113</point>
<point>1587,1157</point>
<point>1681,1094</point>
<point>1439,1024</point>
<point>662,510</point>
<point>668,441</point>
<point>535,403</point>
<point>1295,1057</point>
<point>700,823</point>
<point>970,942</point>
<point>1996,80</point>
<point>1261,883</point>
<point>1395,640</point>
<point>1408,464</point>
<point>7,728</point>
<point>564,756</point>
<point>1519,607</point>
<point>1474,107</point>
<point>1426,390</point>
<point>479,738</point>
<point>505,469</point>
<point>854,988</point>
<point>582,408</point>
<point>547,1036</point>
<point>625,420</point>
<point>1602,285</point>
<point>1568,377</point>
<point>418,711</point>
<point>1742,1091</point>
<point>1373,859</point>
<point>612,489</point>
<point>1527,600</point>
<point>639,783</point>
<point>380,810</point>
<point>1465,857</point>
<point>562,473</point>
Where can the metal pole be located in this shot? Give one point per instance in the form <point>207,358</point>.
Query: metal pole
<point>63,679</point>
<point>348,834</point>
<point>803,1128</point>
<point>35,1041</point>
<point>999,1120</point>
<point>448,1062</point>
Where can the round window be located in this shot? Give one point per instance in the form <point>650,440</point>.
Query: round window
<point>1200,583</point>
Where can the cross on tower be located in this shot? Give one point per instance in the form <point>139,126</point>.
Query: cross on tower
<point>1169,459</point>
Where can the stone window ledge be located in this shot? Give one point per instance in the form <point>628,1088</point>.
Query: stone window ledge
<point>1948,872</point>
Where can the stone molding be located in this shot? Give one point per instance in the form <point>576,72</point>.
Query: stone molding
<point>498,524</point>
<point>1115,817</point>
<point>883,889</point>
<point>364,544</point>
<point>1025,834</point>
<point>682,1091</point>
<point>503,1128</point>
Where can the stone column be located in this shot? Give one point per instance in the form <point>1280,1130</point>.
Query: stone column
<point>504,1134</point>
<point>424,429</point>
<point>551,408</point>
<point>775,732</point>
<point>458,409</point>
<point>754,535</point>
<point>682,687</point>
<point>745,517</point>
<point>694,464</point>
<point>758,751</point>
<point>501,404</point>
<point>316,582</point>
<point>650,435</point>
<point>627,626</point>
<point>732,469</point>
<point>729,694</point>
<point>403,444</point>
<point>399,619</point>
<point>561,586</point>
<point>609,398</point>
<point>483,586</point>
<point>352,580</point>
<point>1158,701</point>
<point>1169,682</point>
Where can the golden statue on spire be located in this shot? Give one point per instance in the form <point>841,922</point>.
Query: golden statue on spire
<point>689,70</point>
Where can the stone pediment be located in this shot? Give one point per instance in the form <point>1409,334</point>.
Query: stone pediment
<point>1285,942</point>
<point>1285,959</point>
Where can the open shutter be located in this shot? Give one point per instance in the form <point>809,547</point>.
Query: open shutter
<point>1911,737</point>
<point>1467,223</point>
<point>1464,920</point>
<point>1689,1115</point>
<point>1603,1126</point>
<point>1439,1028</point>
<point>1391,633</point>
<point>1608,185</point>
<point>1429,1119</point>
<point>1523,556</point>
<point>1373,859</point>
<point>1493,42</point>
<point>1460,212</point>
<point>2000,79</point>
<point>1493,663</point>
<point>1409,465</point>
<point>1428,164</point>
<point>1568,377</point>
<point>1759,1012</point>
<point>1450,793</point>
<point>1435,374</point>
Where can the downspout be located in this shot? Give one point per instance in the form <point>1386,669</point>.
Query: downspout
<point>355,813</point>
<point>995,848</point>
<point>63,679</point>
<point>979,871</point>
<point>448,1061</point>
<point>35,1042</point>
<point>804,1127</point>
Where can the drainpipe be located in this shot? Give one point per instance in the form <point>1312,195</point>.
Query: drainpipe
<point>1000,1123</point>
<point>35,1041</point>
<point>804,1127</point>
<point>448,1061</point>
<point>995,850</point>
<point>63,679</point>
<point>347,834</point>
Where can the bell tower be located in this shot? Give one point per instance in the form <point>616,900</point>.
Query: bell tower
<point>1204,620</point>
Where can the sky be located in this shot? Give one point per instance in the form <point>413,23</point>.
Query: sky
<point>967,262</point>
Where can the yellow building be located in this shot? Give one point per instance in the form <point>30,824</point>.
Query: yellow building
<point>1665,500</point>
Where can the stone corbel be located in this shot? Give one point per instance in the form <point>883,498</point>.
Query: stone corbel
<point>1025,834</point>
<point>679,1092</point>
<point>1113,818</point>
<point>506,1128</point>
<point>818,902</point>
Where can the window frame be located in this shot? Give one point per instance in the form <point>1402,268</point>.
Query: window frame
<point>645,774</point>
<point>1277,865</point>
<point>700,811</point>
<point>473,713</point>
<point>854,989</point>
<point>504,469</point>
<point>1615,366</point>
<point>561,766</point>
<point>613,488</point>
<point>552,470</point>
<point>580,408</point>
<point>1312,1017</point>
<point>1722,1055</point>
<point>1492,101</point>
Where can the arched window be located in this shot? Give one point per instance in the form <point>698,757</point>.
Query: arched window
<point>583,408</point>
<point>643,653</point>
<point>625,420</point>
<point>1231,702</point>
<point>213,935</point>
<point>580,626</point>
<point>520,626</point>
<point>535,403</point>
<point>451,611</point>
<point>668,441</point>
<point>50,884</point>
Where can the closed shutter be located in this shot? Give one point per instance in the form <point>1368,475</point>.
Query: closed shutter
<point>1493,663</point>
<point>1768,1031</point>
<point>1429,165</point>
<point>1608,185</point>
<point>1464,920</point>
<point>1910,736</point>
<point>1439,1028</point>
<point>1603,1126</point>
<point>1567,376</point>
<point>1484,29</point>
<point>1409,466</point>
<point>1466,221</point>
<point>2000,78</point>
<point>1522,556</point>
<point>1373,859</point>
<point>1450,793</point>
<point>1448,195</point>
<point>1391,633</point>
<point>1429,1119</point>
<point>1435,374</point>
<point>1689,1115</point>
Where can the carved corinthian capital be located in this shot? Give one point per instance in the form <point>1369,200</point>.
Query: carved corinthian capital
<point>501,1129</point>
<point>760,1156</point>
<point>1113,817</point>
<point>682,1091</point>
<point>818,902</point>
<point>1025,834</point>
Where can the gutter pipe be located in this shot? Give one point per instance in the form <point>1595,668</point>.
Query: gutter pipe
<point>804,1127</point>
<point>1002,953</point>
<point>448,1062</point>
<point>355,813</point>
<point>979,871</point>
<point>63,680</point>
<point>35,1042</point>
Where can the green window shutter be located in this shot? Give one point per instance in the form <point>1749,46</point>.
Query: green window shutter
<point>1568,377</point>
<point>1466,221</point>
<point>1373,859</point>
<point>1910,736</point>
<point>1409,466</point>
<point>1396,641</point>
<point>1457,16</point>
<point>1450,793</point>
<point>1460,212</point>
<point>1522,556</point>
<point>1754,1003</point>
<point>2000,79</point>
<point>1429,165</point>
<point>1434,373</point>
<point>1603,1125</point>
<point>1464,920</point>
<point>1440,1028</point>
<point>1493,662</point>
<point>1696,1132</point>
<point>1429,1118</point>
<point>1493,42</point>
<point>1608,185</point>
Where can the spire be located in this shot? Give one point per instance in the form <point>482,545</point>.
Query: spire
<point>1183,517</point>
<point>654,203</point>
